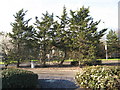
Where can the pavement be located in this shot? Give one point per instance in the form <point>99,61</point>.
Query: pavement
<point>57,78</point>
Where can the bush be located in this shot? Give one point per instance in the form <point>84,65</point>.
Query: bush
<point>17,78</point>
<point>99,77</point>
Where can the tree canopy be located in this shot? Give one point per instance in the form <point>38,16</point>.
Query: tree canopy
<point>113,44</point>
<point>74,33</point>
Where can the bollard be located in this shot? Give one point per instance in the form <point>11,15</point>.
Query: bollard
<point>32,64</point>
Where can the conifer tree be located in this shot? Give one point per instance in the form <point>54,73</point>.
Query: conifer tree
<point>85,36</point>
<point>62,34</point>
<point>20,27</point>
<point>113,44</point>
<point>43,34</point>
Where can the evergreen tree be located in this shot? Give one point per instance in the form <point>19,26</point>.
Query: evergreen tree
<point>78,34</point>
<point>20,27</point>
<point>85,36</point>
<point>62,40</point>
<point>113,44</point>
<point>43,34</point>
<point>31,48</point>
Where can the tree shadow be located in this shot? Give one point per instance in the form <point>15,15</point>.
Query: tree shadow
<point>48,66</point>
<point>66,65</point>
<point>57,84</point>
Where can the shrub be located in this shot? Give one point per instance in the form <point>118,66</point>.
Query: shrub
<point>17,78</point>
<point>99,77</point>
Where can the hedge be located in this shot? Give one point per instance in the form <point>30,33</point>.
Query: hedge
<point>18,78</point>
<point>99,77</point>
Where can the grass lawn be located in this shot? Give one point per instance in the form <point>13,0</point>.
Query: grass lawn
<point>69,60</point>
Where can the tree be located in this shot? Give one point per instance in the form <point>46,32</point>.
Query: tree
<point>18,35</point>
<point>43,34</point>
<point>61,36</point>
<point>77,34</point>
<point>85,36</point>
<point>113,44</point>
<point>100,49</point>
<point>31,47</point>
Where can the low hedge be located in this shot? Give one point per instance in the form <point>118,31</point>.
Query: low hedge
<point>99,77</point>
<point>18,78</point>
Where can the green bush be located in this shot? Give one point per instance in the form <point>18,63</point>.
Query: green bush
<point>99,77</point>
<point>17,78</point>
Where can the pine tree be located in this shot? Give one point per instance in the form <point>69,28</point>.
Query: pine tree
<point>62,34</point>
<point>20,27</point>
<point>113,44</point>
<point>85,36</point>
<point>43,34</point>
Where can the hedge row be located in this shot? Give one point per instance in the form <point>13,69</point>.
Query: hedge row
<point>99,77</point>
<point>17,78</point>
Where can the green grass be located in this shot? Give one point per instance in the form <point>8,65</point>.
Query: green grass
<point>1,62</point>
<point>9,62</point>
<point>69,60</point>
<point>34,60</point>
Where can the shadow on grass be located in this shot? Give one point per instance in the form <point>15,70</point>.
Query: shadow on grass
<point>48,66</point>
<point>109,63</point>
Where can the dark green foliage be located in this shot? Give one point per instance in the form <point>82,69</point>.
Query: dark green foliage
<point>23,38</point>
<point>89,62</point>
<point>61,38</point>
<point>100,50</point>
<point>74,63</point>
<point>44,34</point>
<point>84,35</point>
<point>99,77</point>
<point>74,34</point>
<point>113,44</point>
<point>17,78</point>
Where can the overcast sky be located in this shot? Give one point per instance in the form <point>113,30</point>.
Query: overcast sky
<point>106,10</point>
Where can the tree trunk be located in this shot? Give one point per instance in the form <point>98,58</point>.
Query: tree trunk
<point>61,63</point>
<point>6,66</point>
<point>44,63</point>
<point>80,65</point>
<point>44,56</point>
<point>18,63</point>
<point>18,55</point>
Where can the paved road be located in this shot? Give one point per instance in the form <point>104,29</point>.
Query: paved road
<point>61,78</point>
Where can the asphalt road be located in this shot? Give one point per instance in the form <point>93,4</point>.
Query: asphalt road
<point>60,78</point>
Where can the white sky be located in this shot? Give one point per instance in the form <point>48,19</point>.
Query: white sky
<point>106,10</point>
